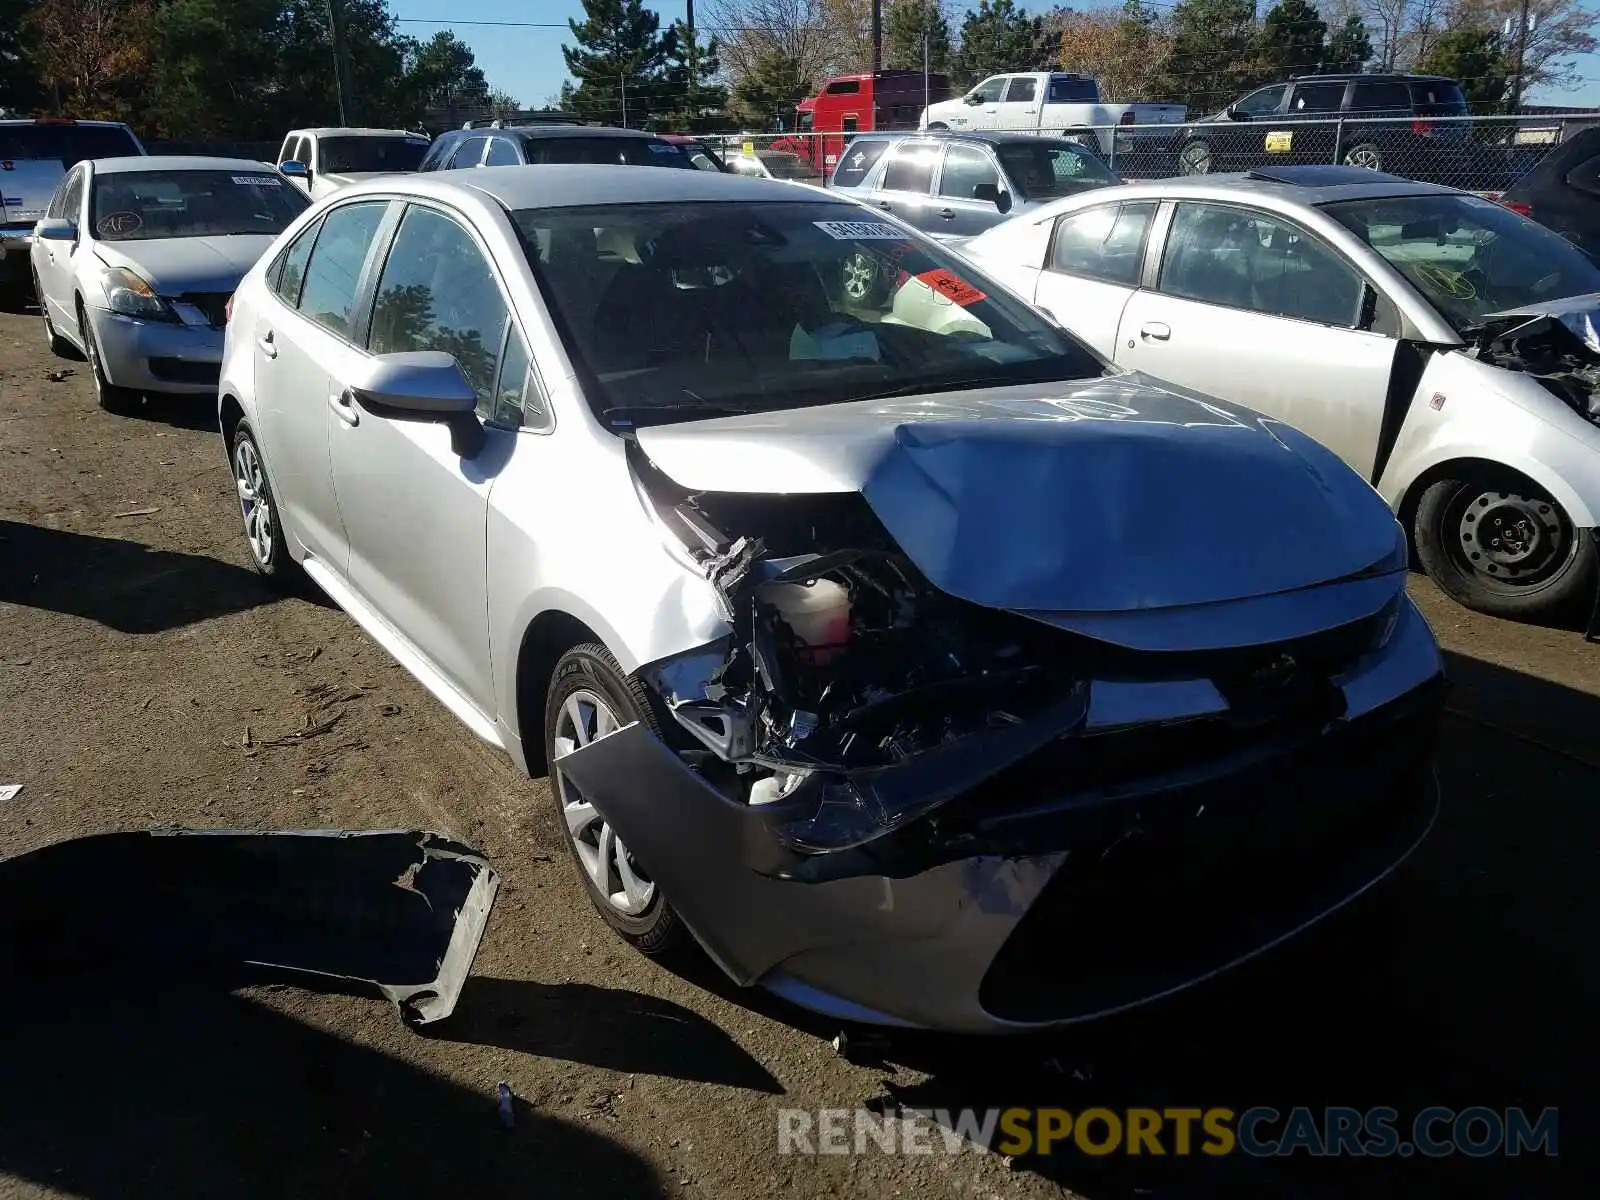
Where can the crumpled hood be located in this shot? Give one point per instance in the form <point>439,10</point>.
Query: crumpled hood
<point>1580,314</point>
<point>173,266</point>
<point>1095,496</point>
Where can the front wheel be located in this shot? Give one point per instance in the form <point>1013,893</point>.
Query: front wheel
<point>1195,159</point>
<point>862,280</point>
<point>263,532</point>
<point>119,401</point>
<point>1367,156</point>
<point>1498,544</point>
<point>590,697</point>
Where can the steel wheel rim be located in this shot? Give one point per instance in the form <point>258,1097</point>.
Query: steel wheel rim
<point>586,717</point>
<point>255,501</point>
<point>1367,160</point>
<point>1196,160</point>
<point>859,273</point>
<point>1513,545</point>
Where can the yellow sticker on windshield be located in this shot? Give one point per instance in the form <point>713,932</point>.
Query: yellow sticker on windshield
<point>1279,141</point>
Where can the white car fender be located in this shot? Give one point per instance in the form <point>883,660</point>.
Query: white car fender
<point>1465,409</point>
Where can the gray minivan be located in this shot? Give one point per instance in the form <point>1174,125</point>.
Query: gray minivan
<point>956,185</point>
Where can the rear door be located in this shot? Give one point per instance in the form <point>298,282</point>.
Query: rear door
<point>1092,269</point>
<point>1250,307</point>
<point>304,337</point>
<point>905,184</point>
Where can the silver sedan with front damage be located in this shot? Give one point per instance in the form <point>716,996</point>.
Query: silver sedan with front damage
<point>1447,348</point>
<point>136,258</point>
<point>905,656</point>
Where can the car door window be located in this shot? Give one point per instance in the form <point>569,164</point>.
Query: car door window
<point>965,168</point>
<point>1240,259</point>
<point>288,271</point>
<point>911,169</point>
<point>517,399</point>
<point>437,292</point>
<point>1262,103</point>
<point>858,158</point>
<point>502,153</point>
<point>1388,95</point>
<point>468,153</point>
<point>988,92</point>
<point>333,275</point>
<point>1317,98</point>
<point>1105,243</point>
<point>1022,89</point>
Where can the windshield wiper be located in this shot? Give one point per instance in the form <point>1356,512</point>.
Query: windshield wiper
<point>631,413</point>
<point>919,387</point>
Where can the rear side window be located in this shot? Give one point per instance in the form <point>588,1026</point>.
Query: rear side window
<point>328,296</point>
<point>1438,98</point>
<point>1390,94</point>
<point>911,169</point>
<point>1103,243</point>
<point>67,144</point>
<point>859,158</point>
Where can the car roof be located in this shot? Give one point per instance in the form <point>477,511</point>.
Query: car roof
<point>178,162</point>
<point>987,137</point>
<point>567,185</point>
<point>1308,185</point>
<point>1368,77</point>
<point>62,123</point>
<point>350,131</point>
<point>569,131</point>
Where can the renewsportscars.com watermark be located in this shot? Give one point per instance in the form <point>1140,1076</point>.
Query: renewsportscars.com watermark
<point>1258,1132</point>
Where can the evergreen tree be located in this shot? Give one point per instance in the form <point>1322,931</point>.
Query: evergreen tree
<point>619,61</point>
<point>1349,49</point>
<point>1291,39</point>
<point>997,37</point>
<point>905,24</point>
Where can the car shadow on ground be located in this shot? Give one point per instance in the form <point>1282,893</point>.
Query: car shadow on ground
<point>124,585</point>
<point>180,412</point>
<point>619,1031</point>
<point>118,1091</point>
<point>1468,980</point>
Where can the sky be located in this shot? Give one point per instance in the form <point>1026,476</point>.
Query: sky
<point>526,61</point>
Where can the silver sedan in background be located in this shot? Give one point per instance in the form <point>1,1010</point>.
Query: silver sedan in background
<point>1445,347</point>
<point>136,258</point>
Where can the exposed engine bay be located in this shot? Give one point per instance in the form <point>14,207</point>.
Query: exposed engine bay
<point>1561,351</point>
<point>853,695</point>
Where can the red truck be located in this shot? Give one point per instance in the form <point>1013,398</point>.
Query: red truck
<point>850,104</point>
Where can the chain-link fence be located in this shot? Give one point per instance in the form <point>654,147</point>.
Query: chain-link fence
<point>1477,154</point>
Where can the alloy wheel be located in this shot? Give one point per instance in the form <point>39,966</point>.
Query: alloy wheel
<point>860,274</point>
<point>586,717</point>
<point>255,500</point>
<point>1195,159</point>
<point>1365,157</point>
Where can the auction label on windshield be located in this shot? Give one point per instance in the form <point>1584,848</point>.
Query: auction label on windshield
<point>856,231</point>
<point>952,286</point>
<point>258,180</point>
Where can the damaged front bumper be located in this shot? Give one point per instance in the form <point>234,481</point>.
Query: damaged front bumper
<point>396,913</point>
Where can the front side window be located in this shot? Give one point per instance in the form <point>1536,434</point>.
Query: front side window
<point>352,155</point>
<point>502,153</point>
<point>988,92</point>
<point>468,153</point>
<point>911,168</point>
<point>438,293</point>
<point>1262,103</point>
<point>1022,89</point>
<point>1468,256</point>
<point>1105,243</point>
<point>1242,259</point>
<point>1047,170</point>
<point>965,169</point>
<point>672,310</point>
<point>333,274</point>
<point>131,206</point>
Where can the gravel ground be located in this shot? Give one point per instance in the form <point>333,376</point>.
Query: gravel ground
<point>147,678</point>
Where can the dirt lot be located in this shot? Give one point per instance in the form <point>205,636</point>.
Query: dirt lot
<point>146,678</point>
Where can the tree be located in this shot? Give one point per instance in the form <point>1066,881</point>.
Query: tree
<point>691,98</point>
<point>618,61</point>
<point>766,94</point>
<point>1349,49</point>
<point>377,53</point>
<point>1477,58</point>
<point>1560,31</point>
<point>755,30</point>
<point>1213,56</point>
<point>443,70</point>
<point>1290,42</point>
<point>89,53</point>
<point>997,37</point>
<point>20,90</point>
<point>1125,50</point>
<point>215,70</point>
<point>906,23</point>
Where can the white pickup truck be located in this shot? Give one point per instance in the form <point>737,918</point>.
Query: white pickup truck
<point>318,161</point>
<point>1046,102</point>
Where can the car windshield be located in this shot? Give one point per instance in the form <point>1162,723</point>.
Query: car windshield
<point>68,144</point>
<point>1048,170</point>
<point>632,152</point>
<point>346,155</point>
<point>1469,256</point>
<point>131,206</point>
<point>680,310</point>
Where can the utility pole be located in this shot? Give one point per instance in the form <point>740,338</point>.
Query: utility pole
<point>877,36</point>
<point>1523,27</point>
<point>694,68</point>
<point>623,79</point>
<point>341,59</point>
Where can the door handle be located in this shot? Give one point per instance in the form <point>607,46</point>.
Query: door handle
<point>266,346</point>
<point>344,407</point>
<point>1157,330</point>
<point>884,204</point>
<point>949,214</point>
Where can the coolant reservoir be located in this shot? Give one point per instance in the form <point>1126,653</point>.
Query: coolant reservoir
<point>818,612</point>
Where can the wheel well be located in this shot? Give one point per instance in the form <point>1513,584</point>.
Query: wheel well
<point>232,414</point>
<point>1455,468</point>
<point>548,637</point>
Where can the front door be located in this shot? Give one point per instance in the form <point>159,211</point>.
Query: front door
<point>957,212</point>
<point>415,498</point>
<point>1256,310</point>
<point>54,260</point>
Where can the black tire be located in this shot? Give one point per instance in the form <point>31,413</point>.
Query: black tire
<point>1368,155</point>
<point>1194,158</point>
<point>119,401</point>
<point>657,931</point>
<point>275,565</point>
<point>1541,568</point>
<point>59,346</point>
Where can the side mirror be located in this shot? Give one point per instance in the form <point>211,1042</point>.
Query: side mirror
<point>990,193</point>
<point>972,99</point>
<point>422,385</point>
<point>56,229</point>
<point>294,169</point>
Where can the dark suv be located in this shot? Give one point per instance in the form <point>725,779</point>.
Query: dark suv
<point>510,146</point>
<point>1404,124</point>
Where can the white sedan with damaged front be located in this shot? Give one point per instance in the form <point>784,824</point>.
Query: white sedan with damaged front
<point>903,655</point>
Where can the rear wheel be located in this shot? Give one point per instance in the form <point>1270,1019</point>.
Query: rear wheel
<point>263,532</point>
<point>1195,158</point>
<point>1498,544</point>
<point>59,346</point>
<point>119,401</point>
<point>590,697</point>
<point>862,280</point>
<point>1366,155</point>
